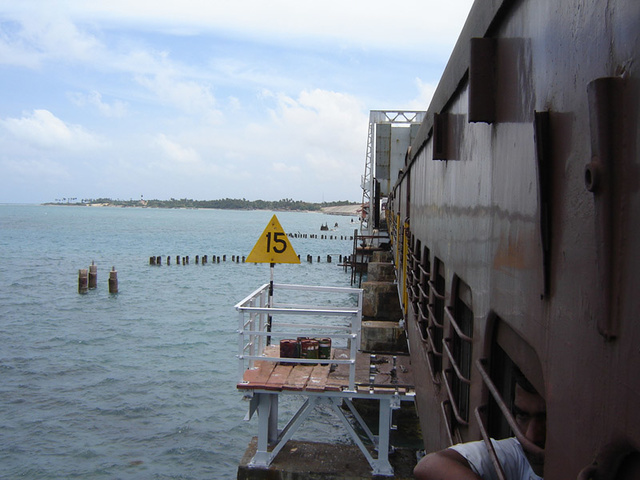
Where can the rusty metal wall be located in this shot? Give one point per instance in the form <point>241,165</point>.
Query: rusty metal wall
<point>524,182</point>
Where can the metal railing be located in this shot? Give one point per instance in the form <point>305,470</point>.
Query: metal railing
<point>261,318</point>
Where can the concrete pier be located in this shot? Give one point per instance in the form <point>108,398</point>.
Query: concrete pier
<point>93,276</point>
<point>322,461</point>
<point>381,327</point>
<point>381,272</point>
<point>381,301</point>
<point>113,280</point>
<point>83,280</point>
<point>383,337</point>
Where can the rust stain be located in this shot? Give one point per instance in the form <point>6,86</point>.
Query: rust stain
<point>512,253</point>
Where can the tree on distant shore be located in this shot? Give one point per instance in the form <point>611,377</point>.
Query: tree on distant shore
<point>223,204</point>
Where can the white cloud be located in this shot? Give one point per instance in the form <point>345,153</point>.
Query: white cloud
<point>321,133</point>
<point>326,167</point>
<point>15,51</point>
<point>176,153</point>
<point>37,39</point>
<point>269,99</point>
<point>186,95</point>
<point>40,168</point>
<point>116,109</point>
<point>413,25</point>
<point>43,129</point>
<point>45,35</point>
<point>318,118</point>
<point>425,95</point>
<point>281,167</point>
<point>366,23</point>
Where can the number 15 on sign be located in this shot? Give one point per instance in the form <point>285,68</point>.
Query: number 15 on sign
<point>273,246</point>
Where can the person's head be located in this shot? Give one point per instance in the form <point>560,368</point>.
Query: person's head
<point>530,412</point>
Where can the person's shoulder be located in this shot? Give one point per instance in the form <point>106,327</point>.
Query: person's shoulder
<point>508,447</point>
<point>519,465</point>
<point>509,444</point>
<point>468,447</point>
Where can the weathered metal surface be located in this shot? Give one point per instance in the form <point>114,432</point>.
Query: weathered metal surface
<point>535,206</point>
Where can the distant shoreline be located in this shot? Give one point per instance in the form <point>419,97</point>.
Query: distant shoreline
<point>350,210</point>
<point>333,208</point>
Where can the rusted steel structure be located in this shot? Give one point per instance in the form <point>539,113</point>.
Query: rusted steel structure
<point>515,231</point>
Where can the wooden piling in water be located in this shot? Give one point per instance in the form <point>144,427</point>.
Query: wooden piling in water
<point>83,280</point>
<point>93,276</point>
<point>113,280</point>
<point>204,259</point>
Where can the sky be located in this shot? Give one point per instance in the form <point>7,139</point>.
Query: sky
<point>207,99</point>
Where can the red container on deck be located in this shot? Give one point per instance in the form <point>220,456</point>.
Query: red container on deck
<point>289,349</point>
<point>308,348</point>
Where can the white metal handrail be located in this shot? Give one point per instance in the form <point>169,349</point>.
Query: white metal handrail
<point>254,329</point>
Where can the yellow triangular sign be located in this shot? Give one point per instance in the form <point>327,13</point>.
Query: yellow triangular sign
<point>273,246</point>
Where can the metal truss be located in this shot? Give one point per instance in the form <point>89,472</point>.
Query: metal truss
<point>393,117</point>
<point>271,440</point>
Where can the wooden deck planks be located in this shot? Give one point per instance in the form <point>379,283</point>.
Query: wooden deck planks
<point>373,373</point>
<point>279,377</point>
<point>257,377</point>
<point>298,378</point>
<point>318,378</point>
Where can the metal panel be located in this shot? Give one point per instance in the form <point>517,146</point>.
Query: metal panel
<point>383,157</point>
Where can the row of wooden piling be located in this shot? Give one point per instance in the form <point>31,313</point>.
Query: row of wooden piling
<point>184,260</point>
<point>88,279</point>
<point>321,236</point>
<point>329,258</point>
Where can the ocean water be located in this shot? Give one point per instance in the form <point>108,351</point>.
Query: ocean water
<point>140,384</point>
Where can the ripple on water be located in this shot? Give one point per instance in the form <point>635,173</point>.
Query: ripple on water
<point>140,384</point>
